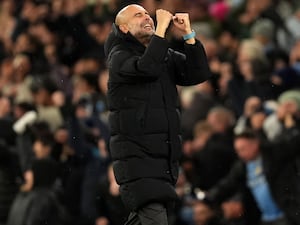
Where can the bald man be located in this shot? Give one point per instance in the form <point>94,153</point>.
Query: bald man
<point>144,107</point>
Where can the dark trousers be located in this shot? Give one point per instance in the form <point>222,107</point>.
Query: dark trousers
<point>152,214</point>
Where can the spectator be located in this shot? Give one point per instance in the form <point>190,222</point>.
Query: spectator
<point>254,76</point>
<point>254,116</point>
<point>213,156</point>
<point>110,208</point>
<point>39,203</point>
<point>262,171</point>
<point>197,101</point>
<point>94,171</point>
<point>293,23</point>
<point>6,121</point>
<point>42,91</point>
<point>287,101</point>
<point>18,86</point>
<point>203,215</point>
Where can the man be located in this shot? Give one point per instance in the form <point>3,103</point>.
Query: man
<point>267,175</point>
<point>144,105</point>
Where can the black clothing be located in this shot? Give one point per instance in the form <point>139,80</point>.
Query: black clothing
<point>37,207</point>
<point>46,172</point>
<point>214,161</point>
<point>200,105</point>
<point>282,174</point>
<point>110,206</point>
<point>239,90</point>
<point>150,214</point>
<point>144,119</point>
<point>10,177</point>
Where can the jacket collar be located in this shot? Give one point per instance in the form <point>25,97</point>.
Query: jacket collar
<point>117,37</point>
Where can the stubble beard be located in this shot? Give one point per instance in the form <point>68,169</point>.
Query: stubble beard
<point>145,37</point>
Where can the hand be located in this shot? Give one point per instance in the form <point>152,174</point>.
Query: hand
<point>101,221</point>
<point>289,121</point>
<point>286,109</point>
<point>182,22</point>
<point>232,209</point>
<point>163,18</point>
<point>58,98</point>
<point>29,179</point>
<point>5,107</point>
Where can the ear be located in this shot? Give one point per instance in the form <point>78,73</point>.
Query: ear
<point>124,28</point>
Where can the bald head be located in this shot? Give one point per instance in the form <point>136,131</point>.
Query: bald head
<point>123,15</point>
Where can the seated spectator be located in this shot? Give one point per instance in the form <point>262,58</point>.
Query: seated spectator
<point>253,78</point>
<point>288,101</point>
<point>293,23</point>
<point>252,104</point>
<point>254,115</point>
<point>197,101</point>
<point>18,85</point>
<point>284,76</point>
<point>266,175</point>
<point>295,57</point>
<point>213,157</point>
<point>42,90</point>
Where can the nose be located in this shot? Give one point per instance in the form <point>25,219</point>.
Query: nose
<point>147,16</point>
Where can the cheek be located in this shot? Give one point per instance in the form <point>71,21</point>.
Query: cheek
<point>242,154</point>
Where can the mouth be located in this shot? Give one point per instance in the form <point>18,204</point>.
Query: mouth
<point>148,26</point>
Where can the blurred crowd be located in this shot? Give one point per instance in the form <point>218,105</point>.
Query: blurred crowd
<point>54,154</point>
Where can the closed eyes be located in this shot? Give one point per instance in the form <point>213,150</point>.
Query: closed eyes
<point>139,14</point>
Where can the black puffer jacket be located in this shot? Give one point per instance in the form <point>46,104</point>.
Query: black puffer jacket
<point>144,120</point>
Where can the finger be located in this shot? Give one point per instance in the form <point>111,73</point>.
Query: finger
<point>178,20</point>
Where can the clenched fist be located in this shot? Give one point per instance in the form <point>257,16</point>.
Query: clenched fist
<point>163,18</point>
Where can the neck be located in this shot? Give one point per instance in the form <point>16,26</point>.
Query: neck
<point>144,40</point>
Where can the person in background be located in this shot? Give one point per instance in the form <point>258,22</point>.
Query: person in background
<point>110,208</point>
<point>267,174</point>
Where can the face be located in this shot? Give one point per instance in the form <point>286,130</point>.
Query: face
<point>136,20</point>
<point>41,151</point>
<point>41,97</point>
<point>247,149</point>
<point>202,214</point>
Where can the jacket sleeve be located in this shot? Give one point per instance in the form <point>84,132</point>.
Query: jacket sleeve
<point>228,186</point>
<point>286,147</point>
<point>192,67</point>
<point>145,67</point>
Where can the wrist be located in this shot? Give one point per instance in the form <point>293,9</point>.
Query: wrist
<point>160,31</point>
<point>188,31</point>
<point>190,35</point>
